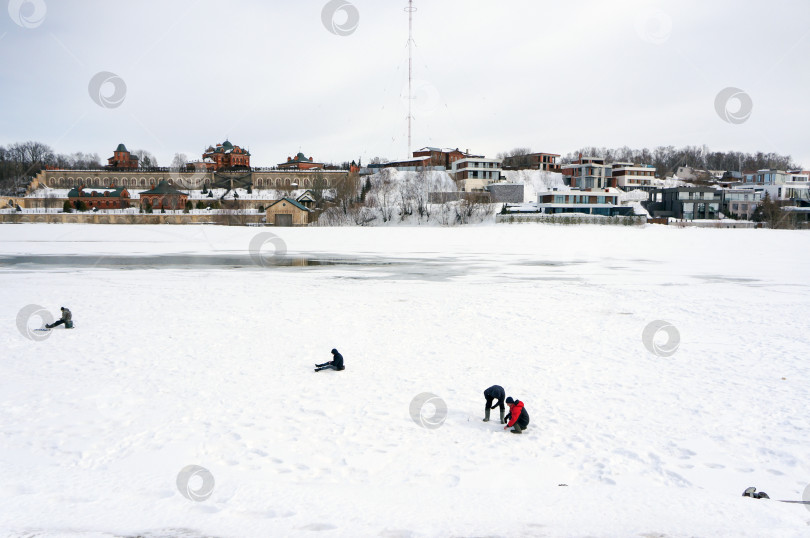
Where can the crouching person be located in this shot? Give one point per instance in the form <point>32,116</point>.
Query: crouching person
<point>66,320</point>
<point>335,364</point>
<point>495,392</point>
<point>517,417</point>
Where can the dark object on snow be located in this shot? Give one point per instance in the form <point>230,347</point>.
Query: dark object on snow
<point>335,364</point>
<point>67,320</point>
<point>517,417</point>
<point>750,492</point>
<point>495,392</point>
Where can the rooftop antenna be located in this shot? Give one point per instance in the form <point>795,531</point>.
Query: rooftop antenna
<point>410,9</point>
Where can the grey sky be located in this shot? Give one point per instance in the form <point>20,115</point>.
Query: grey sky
<point>553,76</point>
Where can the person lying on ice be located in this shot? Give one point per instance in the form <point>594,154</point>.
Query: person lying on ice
<point>517,417</point>
<point>67,320</point>
<point>335,364</point>
<point>495,392</point>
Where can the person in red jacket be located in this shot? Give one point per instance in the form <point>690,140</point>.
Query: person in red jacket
<point>517,417</point>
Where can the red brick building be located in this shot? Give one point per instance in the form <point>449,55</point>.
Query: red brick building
<point>440,157</point>
<point>429,157</point>
<point>164,196</point>
<point>122,159</point>
<point>533,161</point>
<point>226,155</point>
<point>111,199</point>
<point>300,162</point>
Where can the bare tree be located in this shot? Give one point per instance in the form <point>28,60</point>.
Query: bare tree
<point>406,195</point>
<point>319,186</point>
<point>383,193</point>
<point>346,192</point>
<point>179,161</point>
<point>146,159</point>
<point>421,192</point>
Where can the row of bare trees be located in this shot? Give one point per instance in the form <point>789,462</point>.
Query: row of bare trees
<point>389,197</point>
<point>667,159</point>
<point>22,160</point>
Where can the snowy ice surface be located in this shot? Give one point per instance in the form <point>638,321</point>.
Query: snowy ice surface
<point>187,351</point>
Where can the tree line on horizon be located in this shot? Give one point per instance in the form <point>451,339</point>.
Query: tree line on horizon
<point>22,160</point>
<point>667,159</point>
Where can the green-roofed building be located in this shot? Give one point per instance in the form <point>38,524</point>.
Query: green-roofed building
<point>226,156</point>
<point>287,212</point>
<point>164,196</point>
<point>300,162</point>
<point>122,159</point>
<point>114,198</point>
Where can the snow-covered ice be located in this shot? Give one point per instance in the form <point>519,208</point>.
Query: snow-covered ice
<point>188,351</point>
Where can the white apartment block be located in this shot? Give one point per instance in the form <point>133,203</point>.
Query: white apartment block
<point>475,173</point>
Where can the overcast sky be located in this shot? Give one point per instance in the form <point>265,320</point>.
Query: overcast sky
<point>490,76</point>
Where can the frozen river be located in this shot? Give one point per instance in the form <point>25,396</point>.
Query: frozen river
<point>664,371</point>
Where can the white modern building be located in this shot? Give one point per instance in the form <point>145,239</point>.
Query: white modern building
<point>628,176</point>
<point>588,201</point>
<point>779,184</point>
<point>475,173</point>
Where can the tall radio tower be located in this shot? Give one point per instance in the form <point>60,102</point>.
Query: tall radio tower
<point>410,9</point>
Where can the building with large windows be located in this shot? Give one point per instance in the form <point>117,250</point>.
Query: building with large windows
<point>687,203</point>
<point>546,162</point>
<point>475,173</point>
<point>587,173</point>
<point>603,202</point>
<point>629,176</point>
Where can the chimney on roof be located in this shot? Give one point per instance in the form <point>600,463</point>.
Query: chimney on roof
<point>289,159</point>
<point>310,159</point>
<point>153,185</point>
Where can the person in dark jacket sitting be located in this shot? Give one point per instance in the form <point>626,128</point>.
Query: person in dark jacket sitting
<point>495,392</point>
<point>67,320</point>
<point>335,364</point>
<point>517,417</point>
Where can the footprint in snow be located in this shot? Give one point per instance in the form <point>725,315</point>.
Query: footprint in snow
<point>714,466</point>
<point>398,533</point>
<point>318,527</point>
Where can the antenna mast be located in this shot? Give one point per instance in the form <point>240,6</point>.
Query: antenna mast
<point>410,9</point>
